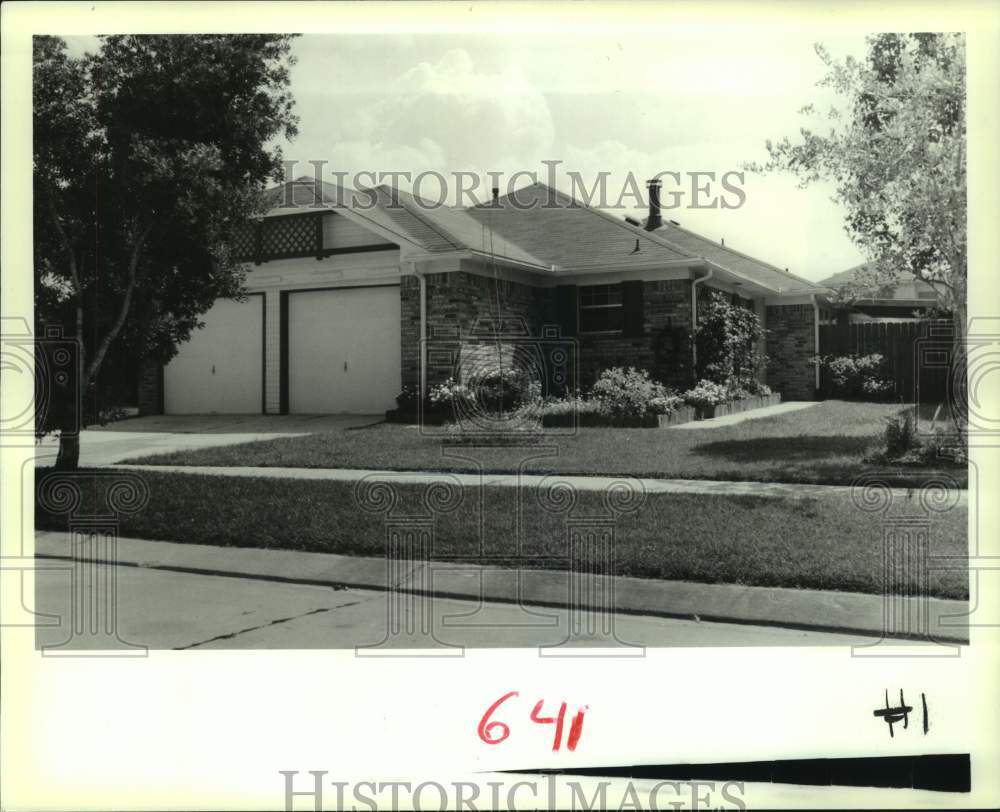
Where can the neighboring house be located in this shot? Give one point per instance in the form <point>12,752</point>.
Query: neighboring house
<point>907,299</point>
<point>345,285</point>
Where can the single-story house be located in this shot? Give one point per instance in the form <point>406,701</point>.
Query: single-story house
<point>354,295</point>
<point>856,301</point>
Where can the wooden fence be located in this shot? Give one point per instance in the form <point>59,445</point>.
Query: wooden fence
<point>918,354</point>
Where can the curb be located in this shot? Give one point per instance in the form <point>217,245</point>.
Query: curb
<point>804,609</point>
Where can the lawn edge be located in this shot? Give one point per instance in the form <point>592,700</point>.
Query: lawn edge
<point>902,479</point>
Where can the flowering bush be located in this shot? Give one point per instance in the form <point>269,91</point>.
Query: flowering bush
<point>502,390</point>
<point>628,392</point>
<point>492,393</point>
<point>857,376</point>
<point>727,336</point>
<point>574,405</point>
<point>450,393</point>
<point>707,393</point>
<point>665,405</point>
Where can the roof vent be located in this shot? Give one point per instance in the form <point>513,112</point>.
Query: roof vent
<point>632,221</point>
<point>636,249</point>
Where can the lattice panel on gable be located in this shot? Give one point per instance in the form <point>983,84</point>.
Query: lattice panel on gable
<point>293,236</point>
<point>244,242</point>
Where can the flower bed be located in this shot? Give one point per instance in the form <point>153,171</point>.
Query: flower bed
<point>620,398</point>
<point>682,414</point>
<point>737,406</point>
<point>594,420</point>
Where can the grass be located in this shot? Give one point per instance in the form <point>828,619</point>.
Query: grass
<point>822,444</point>
<point>817,542</point>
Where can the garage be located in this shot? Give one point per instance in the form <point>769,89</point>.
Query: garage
<point>220,369</point>
<point>343,350</point>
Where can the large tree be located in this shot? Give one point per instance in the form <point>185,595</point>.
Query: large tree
<point>895,149</point>
<point>148,155</point>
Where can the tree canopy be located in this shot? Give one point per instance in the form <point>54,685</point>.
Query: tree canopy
<point>896,153</point>
<point>148,155</point>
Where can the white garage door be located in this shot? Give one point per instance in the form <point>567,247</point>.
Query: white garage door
<point>220,368</point>
<point>343,350</point>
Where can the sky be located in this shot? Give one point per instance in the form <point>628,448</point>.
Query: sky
<point>696,100</point>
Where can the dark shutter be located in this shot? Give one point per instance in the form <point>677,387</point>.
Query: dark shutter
<point>566,313</point>
<point>633,316</point>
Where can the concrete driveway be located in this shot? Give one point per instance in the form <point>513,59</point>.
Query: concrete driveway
<point>158,434</point>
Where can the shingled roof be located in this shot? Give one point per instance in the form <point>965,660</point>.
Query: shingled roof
<point>763,273</point>
<point>569,235</point>
<point>425,225</point>
<point>537,226</point>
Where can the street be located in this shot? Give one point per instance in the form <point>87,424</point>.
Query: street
<point>163,609</point>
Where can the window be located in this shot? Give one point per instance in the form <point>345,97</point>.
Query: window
<point>601,309</point>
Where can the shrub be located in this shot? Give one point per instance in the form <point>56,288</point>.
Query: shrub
<point>900,435</point>
<point>858,376</point>
<point>492,393</point>
<point>501,390</point>
<point>406,400</point>
<point>629,392</point>
<point>706,393</point>
<point>573,405</point>
<point>450,393</point>
<point>726,338</point>
<point>665,405</point>
<point>901,445</point>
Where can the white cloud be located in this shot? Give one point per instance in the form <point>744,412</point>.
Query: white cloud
<point>441,114</point>
<point>645,104</point>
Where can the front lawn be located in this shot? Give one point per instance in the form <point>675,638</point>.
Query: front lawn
<point>817,542</point>
<point>820,444</point>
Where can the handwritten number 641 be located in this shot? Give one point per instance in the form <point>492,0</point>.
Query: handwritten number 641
<point>494,732</point>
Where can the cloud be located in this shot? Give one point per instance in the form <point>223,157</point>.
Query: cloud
<point>456,114</point>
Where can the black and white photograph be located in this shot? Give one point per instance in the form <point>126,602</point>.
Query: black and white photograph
<point>500,347</point>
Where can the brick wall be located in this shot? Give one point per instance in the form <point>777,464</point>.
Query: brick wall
<point>791,346</point>
<point>409,305</point>
<point>664,349</point>
<point>459,302</point>
<point>461,310</point>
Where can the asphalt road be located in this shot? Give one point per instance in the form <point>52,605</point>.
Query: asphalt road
<point>163,609</point>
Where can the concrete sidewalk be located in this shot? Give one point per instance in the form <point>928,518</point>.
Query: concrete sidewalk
<point>814,610</point>
<point>576,482</point>
<point>161,609</point>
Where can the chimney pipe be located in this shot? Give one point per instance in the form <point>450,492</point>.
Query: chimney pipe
<point>655,219</point>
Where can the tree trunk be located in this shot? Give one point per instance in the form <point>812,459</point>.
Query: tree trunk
<point>69,451</point>
<point>68,395</point>
<point>958,400</point>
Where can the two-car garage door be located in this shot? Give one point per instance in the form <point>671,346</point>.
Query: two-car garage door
<point>341,347</point>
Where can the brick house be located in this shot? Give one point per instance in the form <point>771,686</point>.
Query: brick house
<point>356,294</point>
